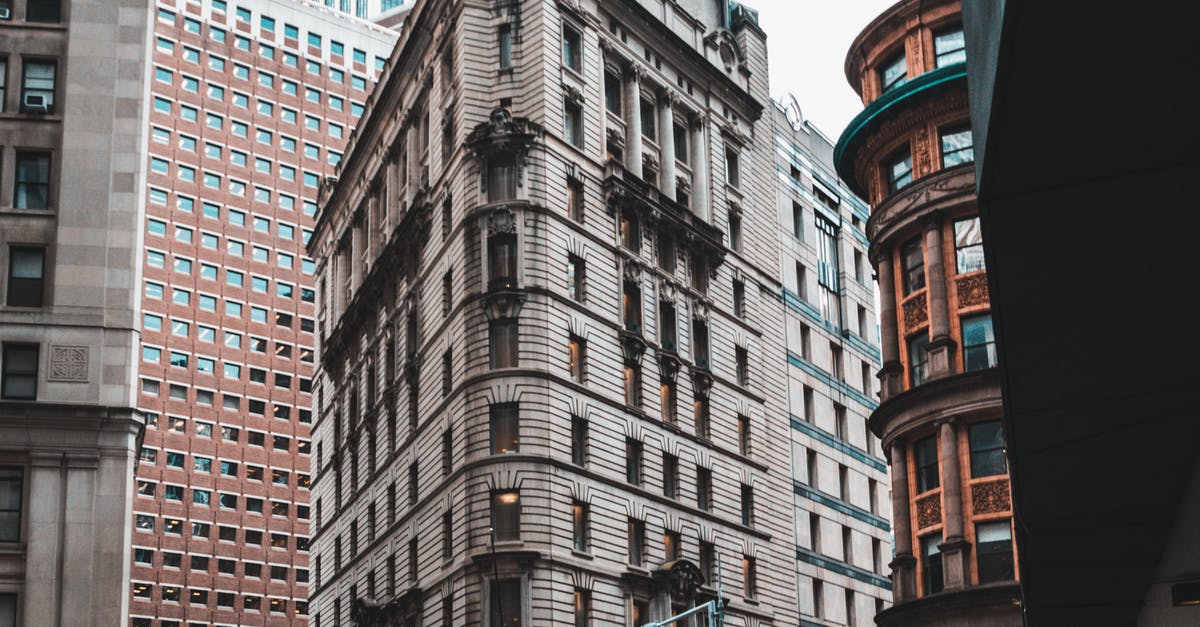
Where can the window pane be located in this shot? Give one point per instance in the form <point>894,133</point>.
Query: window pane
<point>506,515</point>
<point>927,464</point>
<point>505,429</point>
<point>994,550</point>
<point>957,147</point>
<point>507,606</point>
<point>987,449</point>
<point>979,343</point>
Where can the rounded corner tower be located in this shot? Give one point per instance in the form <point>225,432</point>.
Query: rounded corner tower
<point>910,154</point>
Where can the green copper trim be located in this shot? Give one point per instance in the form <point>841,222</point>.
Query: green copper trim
<point>867,119</point>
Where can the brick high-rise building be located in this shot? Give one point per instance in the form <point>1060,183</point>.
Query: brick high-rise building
<point>73,80</point>
<point>251,105</point>
<point>910,154</point>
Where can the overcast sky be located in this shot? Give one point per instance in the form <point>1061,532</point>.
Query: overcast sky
<point>808,41</point>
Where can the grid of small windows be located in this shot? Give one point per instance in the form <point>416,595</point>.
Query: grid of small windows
<point>229,290</point>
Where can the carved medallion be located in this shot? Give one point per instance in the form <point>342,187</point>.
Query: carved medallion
<point>929,510</point>
<point>991,498</point>
<point>502,220</point>
<point>68,363</point>
<point>916,312</point>
<point>972,290</point>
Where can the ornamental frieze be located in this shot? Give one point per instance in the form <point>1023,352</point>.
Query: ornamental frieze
<point>991,498</point>
<point>972,290</point>
<point>929,510</point>
<point>916,312</point>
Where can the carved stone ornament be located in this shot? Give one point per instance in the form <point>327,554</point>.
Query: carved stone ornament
<point>68,363</point>
<point>682,578</point>
<point>668,291</point>
<point>735,208</point>
<point>683,183</point>
<point>614,200</point>
<point>929,510</point>
<point>972,290</point>
<point>574,96</point>
<point>632,348</point>
<point>615,138</point>
<point>502,221</point>
<point>649,162</point>
<point>991,498</point>
<point>632,271</point>
<point>668,366</point>
<point>916,312</point>
<point>700,309</point>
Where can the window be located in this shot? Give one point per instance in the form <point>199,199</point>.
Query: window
<point>979,343</point>
<point>503,343</point>
<point>502,261</point>
<point>704,484</point>
<point>19,372</point>
<point>507,605</point>
<point>743,366</point>
<point>739,298</point>
<point>43,10</point>
<point>949,47</point>
<point>576,358</point>
<point>893,73</point>
<point>749,577</point>
<point>579,429</point>
<point>633,384</point>
<point>931,564</point>
<point>957,146</point>
<point>913,260</point>
<point>573,123</point>
<point>926,454</point>
<point>612,93</point>
<point>12,483</point>
<point>501,178</point>
<point>572,49</point>
<point>576,269</point>
<point>899,170</point>
<point>37,87</point>
<point>631,301</point>
<point>987,449</point>
<point>743,426</point>
<point>747,505</point>
<point>583,607</point>
<point>505,428</point>
<point>636,537</point>
<point>579,525</point>
<point>993,550</point>
<point>633,461</point>
<point>631,236</point>
<point>649,120</point>
<point>670,476</point>
<point>733,175</point>
<point>32,189</point>
<point>26,268</point>
<point>506,515</point>
<point>968,245</point>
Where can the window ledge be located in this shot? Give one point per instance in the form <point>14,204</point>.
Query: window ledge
<point>582,554</point>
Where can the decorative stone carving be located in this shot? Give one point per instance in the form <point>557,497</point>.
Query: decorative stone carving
<point>649,162</point>
<point>668,291</point>
<point>991,498</point>
<point>502,221</point>
<point>615,138</point>
<point>574,96</point>
<point>683,183</point>
<point>916,312</point>
<point>68,364</point>
<point>700,309</point>
<point>929,510</point>
<point>972,290</point>
<point>632,271</point>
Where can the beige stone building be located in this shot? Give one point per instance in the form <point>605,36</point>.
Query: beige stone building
<point>73,84</point>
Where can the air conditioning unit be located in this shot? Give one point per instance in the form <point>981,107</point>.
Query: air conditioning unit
<point>36,103</point>
<point>5,14</point>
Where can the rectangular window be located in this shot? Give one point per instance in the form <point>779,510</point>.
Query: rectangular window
<point>32,188</point>
<point>26,273</point>
<point>583,607</point>
<point>649,120</point>
<point>749,577</point>
<point>672,545</point>
<point>612,93</point>
<point>670,476</point>
<point>987,449</point>
<point>577,358</point>
<point>37,87</point>
<point>747,505</point>
<point>926,454</point>
<point>633,385</point>
<point>579,526</point>
<point>501,178</point>
<point>979,343</point>
<point>899,170</point>
<point>19,372</point>
<point>894,72</point>
<point>573,123</point>
<point>994,553</point>
<point>743,426</point>
<point>957,146</point>
<point>506,515</point>
<point>949,47</point>
<point>912,258</point>
<point>743,366</point>
<point>576,269</point>
<point>507,605</point>
<point>636,537</point>
<point>12,484</point>
<point>733,173</point>
<point>704,488</point>
<point>572,49</point>
<point>505,428</point>
<point>504,45</point>
<point>579,430</point>
<point>503,343</point>
<point>968,245</point>
<point>633,461</point>
<point>575,199</point>
<point>668,400</point>
<point>931,565</point>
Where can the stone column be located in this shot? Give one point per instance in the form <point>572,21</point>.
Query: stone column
<point>411,162</point>
<point>603,101</point>
<point>633,125</point>
<point>904,566</point>
<point>357,246</point>
<point>941,345</point>
<point>700,168</point>
<point>954,548</point>
<point>891,375</point>
<point>666,139</point>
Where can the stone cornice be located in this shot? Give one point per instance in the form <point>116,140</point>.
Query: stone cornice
<point>963,396</point>
<point>904,212</point>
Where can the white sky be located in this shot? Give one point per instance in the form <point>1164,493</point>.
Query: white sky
<point>807,41</point>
